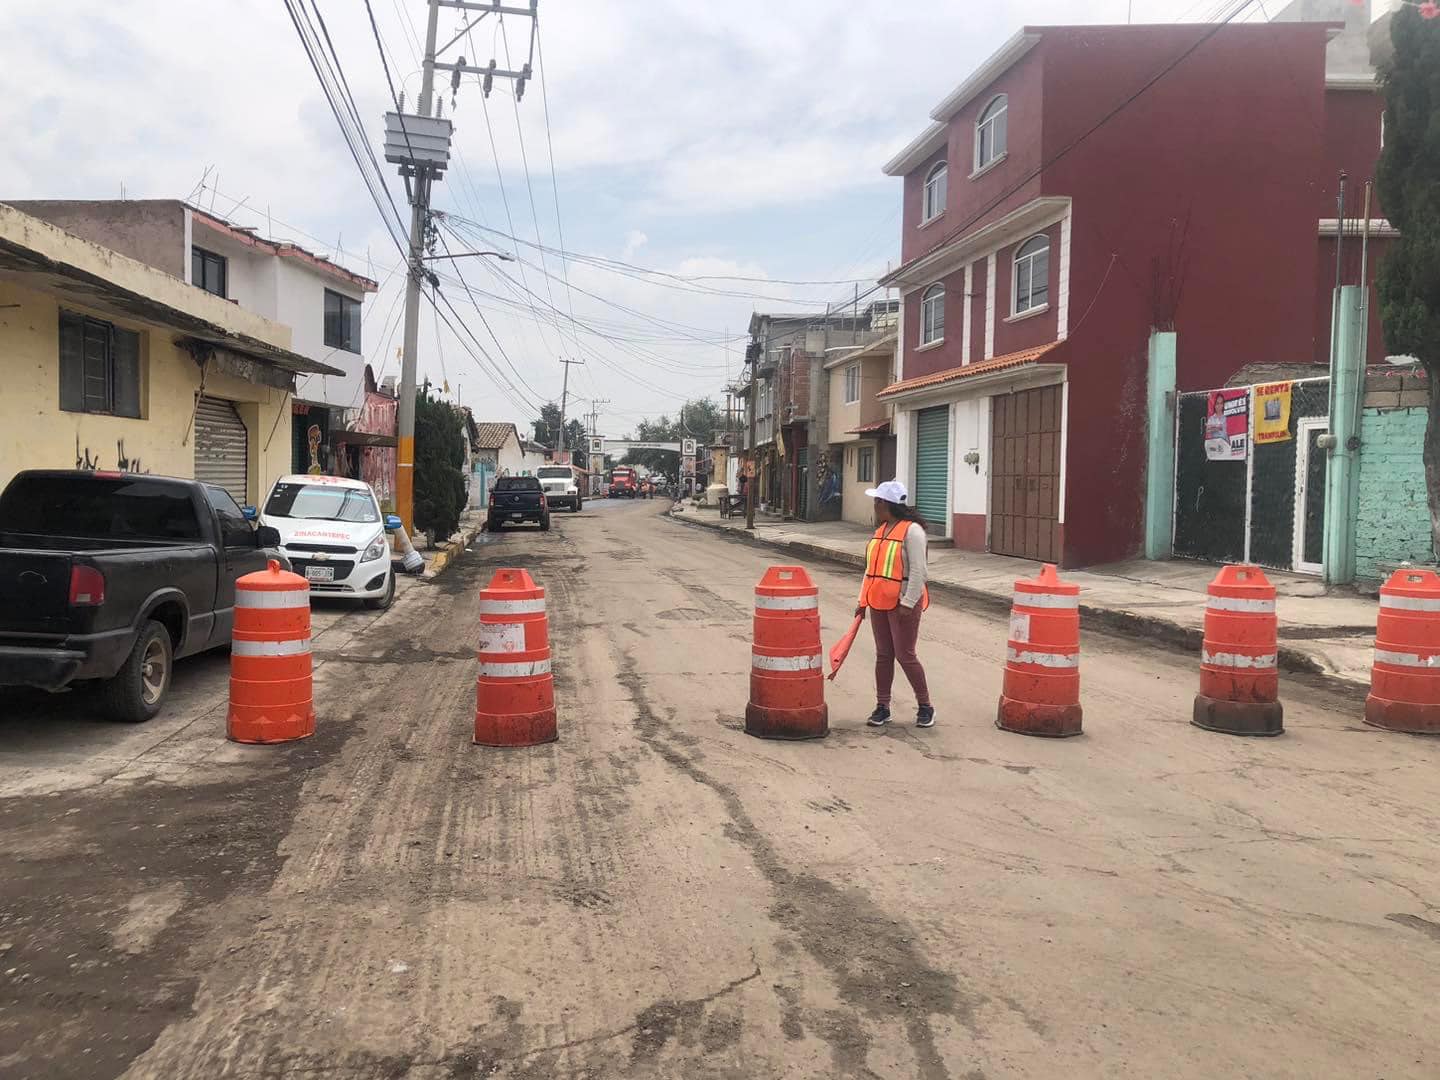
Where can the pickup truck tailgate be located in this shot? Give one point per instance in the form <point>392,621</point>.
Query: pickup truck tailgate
<point>508,501</point>
<point>34,591</point>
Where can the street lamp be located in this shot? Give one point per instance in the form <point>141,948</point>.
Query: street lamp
<point>502,256</point>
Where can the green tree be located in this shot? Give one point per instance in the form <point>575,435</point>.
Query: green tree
<point>1409,188</point>
<point>547,432</point>
<point>439,462</point>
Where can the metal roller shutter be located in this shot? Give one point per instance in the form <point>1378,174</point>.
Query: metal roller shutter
<point>222,448</point>
<point>932,466</point>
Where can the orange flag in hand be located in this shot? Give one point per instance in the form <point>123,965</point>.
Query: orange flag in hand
<point>842,647</point>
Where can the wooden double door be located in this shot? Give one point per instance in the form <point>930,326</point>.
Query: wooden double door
<point>1025,474</point>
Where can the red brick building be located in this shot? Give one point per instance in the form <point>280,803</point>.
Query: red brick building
<point>1084,186</point>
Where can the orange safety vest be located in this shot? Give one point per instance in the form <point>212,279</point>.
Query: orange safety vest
<point>885,569</point>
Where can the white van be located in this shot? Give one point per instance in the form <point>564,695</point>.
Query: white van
<point>561,486</point>
<point>333,533</point>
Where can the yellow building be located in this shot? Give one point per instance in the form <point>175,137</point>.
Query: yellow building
<point>860,425</point>
<point>108,363</point>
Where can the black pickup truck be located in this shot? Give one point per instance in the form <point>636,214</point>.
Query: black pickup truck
<point>515,499</point>
<point>112,576</point>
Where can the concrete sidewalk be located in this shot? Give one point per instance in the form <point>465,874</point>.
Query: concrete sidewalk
<point>1327,634</point>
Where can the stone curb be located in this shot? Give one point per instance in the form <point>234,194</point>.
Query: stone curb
<point>1172,635</point>
<point>451,551</point>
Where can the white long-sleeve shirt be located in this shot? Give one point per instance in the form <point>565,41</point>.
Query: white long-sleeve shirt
<point>915,547</point>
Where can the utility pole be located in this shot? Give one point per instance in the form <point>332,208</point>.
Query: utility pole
<point>420,144</point>
<point>752,357</point>
<point>564,396</point>
<point>419,218</point>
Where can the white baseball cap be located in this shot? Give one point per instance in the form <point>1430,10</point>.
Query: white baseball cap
<point>891,491</point>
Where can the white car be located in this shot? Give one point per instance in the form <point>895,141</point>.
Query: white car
<point>332,531</point>
<point>561,486</point>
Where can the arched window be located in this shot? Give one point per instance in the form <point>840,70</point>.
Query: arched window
<point>990,132</point>
<point>934,191</point>
<point>932,314</point>
<point>1031,287</point>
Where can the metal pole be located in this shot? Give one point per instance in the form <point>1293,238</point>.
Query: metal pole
<point>754,466</point>
<point>420,212</point>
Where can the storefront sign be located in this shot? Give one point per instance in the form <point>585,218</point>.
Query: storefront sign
<point>1227,425</point>
<point>1272,413</point>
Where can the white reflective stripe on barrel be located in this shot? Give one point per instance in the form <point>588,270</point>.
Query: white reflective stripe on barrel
<point>289,598</point>
<point>1404,659</point>
<point>1410,603</point>
<point>1236,603</point>
<point>512,607</point>
<point>784,663</point>
<point>1050,600</point>
<point>514,669</point>
<point>1043,659</point>
<point>1237,660</point>
<point>787,603</point>
<point>270,648</point>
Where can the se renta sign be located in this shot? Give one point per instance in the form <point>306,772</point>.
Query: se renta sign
<point>1227,425</point>
<point>1272,413</point>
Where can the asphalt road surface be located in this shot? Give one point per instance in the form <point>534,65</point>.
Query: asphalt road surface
<point>659,895</point>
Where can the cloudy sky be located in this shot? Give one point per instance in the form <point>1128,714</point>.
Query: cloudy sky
<point>712,141</point>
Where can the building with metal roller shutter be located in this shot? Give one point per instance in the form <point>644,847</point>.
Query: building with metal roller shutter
<point>318,299</point>
<point>112,364</point>
<point>222,447</point>
<point>932,464</point>
<point>1079,190</point>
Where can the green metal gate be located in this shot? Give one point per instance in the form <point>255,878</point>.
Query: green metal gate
<point>932,466</point>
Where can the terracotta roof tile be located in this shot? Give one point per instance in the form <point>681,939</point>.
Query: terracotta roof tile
<point>967,371</point>
<point>492,436</point>
<point>867,429</point>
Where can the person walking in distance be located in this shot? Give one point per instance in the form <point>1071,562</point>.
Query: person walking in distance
<point>895,594</point>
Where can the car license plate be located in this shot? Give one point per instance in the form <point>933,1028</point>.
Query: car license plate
<point>319,573</point>
<point>517,515</point>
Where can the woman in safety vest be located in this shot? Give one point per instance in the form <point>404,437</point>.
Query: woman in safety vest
<point>894,590</point>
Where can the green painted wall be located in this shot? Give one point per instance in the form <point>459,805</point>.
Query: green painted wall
<point>1392,521</point>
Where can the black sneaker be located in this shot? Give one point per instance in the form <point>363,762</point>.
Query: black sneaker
<point>925,717</point>
<point>880,717</point>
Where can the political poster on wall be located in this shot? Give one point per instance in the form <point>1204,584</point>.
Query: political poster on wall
<point>1272,413</point>
<point>1227,425</point>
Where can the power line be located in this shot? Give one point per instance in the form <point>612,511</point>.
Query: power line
<point>554,181</point>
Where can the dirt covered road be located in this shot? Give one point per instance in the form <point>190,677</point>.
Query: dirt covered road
<point>659,895</point>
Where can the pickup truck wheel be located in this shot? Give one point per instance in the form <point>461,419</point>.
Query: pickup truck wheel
<point>138,691</point>
<point>384,600</point>
<point>493,525</point>
<point>545,523</point>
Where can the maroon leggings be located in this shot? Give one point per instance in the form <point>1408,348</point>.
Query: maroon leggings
<point>896,632</point>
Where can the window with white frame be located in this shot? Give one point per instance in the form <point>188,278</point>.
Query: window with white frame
<point>990,132</point>
<point>865,467</point>
<point>932,314</point>
<point>934,191</point>
<point>852,384</point>
<point>1031,286</point>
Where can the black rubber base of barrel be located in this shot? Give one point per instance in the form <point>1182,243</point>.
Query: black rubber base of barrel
<point>1253,718</point>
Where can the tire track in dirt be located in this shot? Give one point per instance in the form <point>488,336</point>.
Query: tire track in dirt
<point>866,951</point>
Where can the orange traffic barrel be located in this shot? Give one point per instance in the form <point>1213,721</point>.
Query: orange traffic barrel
<point>272,698</point>
<point>1405,680</point>
<point>1239,680</point>
<point>1041,692</point>
<point>787,683</point>
<point>515,693</point>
